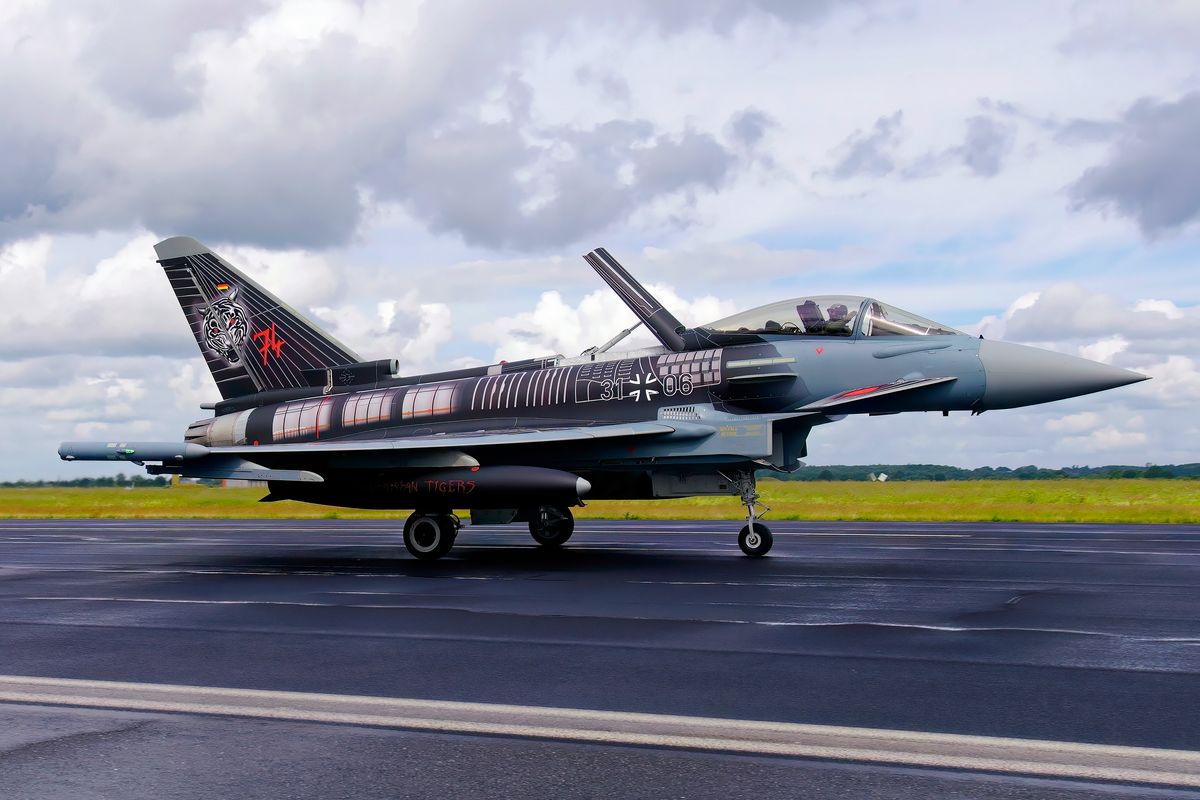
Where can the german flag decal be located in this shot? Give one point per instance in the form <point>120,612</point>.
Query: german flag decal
<point>222,287</point>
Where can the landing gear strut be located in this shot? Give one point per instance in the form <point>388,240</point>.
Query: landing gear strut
<point>551,526</point>
<point>430,536</point>
<point>755,538</point>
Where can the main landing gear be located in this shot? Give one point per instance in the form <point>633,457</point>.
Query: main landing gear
<point>755,538</point>
<point>430,536</point>
<point>551,526</point>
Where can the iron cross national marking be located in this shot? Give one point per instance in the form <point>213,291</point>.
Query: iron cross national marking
<point>640,387</point>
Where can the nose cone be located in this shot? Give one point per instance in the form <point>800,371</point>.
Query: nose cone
<point>1022,376</point>
<point>582,486</point>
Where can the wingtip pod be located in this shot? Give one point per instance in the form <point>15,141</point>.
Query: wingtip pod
<point>130,451</point>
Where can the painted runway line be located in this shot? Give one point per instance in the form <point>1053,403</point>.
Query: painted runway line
<point>1160,767</point>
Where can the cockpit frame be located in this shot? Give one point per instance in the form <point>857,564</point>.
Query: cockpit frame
<point>823,316</point>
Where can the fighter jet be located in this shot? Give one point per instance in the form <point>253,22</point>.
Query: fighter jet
<point>701,413</point>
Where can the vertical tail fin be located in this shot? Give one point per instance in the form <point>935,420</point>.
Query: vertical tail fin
<point>251,340</point>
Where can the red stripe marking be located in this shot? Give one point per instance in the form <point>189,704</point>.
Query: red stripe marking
<point>857,392</point>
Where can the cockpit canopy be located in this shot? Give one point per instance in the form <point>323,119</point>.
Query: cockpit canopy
<point>830,315</point>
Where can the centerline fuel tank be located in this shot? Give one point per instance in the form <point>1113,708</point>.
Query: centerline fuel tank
<point>443,489</point>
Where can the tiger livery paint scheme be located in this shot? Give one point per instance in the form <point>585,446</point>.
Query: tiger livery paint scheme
<point>700,414</point>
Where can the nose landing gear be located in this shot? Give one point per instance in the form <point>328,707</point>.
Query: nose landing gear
<point>755,538</point>
<point>430,536</point>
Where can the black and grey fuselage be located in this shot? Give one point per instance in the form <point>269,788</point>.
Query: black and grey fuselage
<point>750,395</point>
<point>698,414</point>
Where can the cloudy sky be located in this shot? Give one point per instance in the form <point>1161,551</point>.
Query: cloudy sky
<point>423,178</point>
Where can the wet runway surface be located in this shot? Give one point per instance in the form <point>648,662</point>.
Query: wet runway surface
<point>1078,633</point>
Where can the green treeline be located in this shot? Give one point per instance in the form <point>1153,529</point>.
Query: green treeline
<point>856,472</point>
<point>938,472</point>
<point>111,481</point>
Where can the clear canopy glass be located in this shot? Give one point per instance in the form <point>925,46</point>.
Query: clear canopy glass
<point>829,315</point>
<point>884,320</point>
<point>824,315</point>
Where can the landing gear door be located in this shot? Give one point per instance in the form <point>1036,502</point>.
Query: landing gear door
<point>689,484</point>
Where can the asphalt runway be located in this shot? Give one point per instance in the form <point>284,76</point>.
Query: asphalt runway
<point>847,634</point>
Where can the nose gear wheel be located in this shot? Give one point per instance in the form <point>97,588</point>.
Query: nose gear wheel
<point>755,538</point>
<point>755,541</point>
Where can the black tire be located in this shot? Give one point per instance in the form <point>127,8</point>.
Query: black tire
<point>429,536</point>
<point>551,526</point>
<point>758,543</point>
<point>453,523</point>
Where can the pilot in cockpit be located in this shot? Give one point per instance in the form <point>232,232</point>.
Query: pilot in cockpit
<point>841,320</point>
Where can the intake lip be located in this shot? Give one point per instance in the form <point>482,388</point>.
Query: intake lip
<point>1017,375</point>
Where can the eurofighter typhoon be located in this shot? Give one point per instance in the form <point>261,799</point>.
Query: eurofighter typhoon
<point>524,441</point>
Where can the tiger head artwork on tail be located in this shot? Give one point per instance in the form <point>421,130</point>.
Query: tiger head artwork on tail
<point>224,325</point>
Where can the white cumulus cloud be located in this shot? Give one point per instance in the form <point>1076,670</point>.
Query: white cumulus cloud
<point>555,326</point>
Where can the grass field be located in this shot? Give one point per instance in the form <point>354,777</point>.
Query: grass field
<point>1080,500</point>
